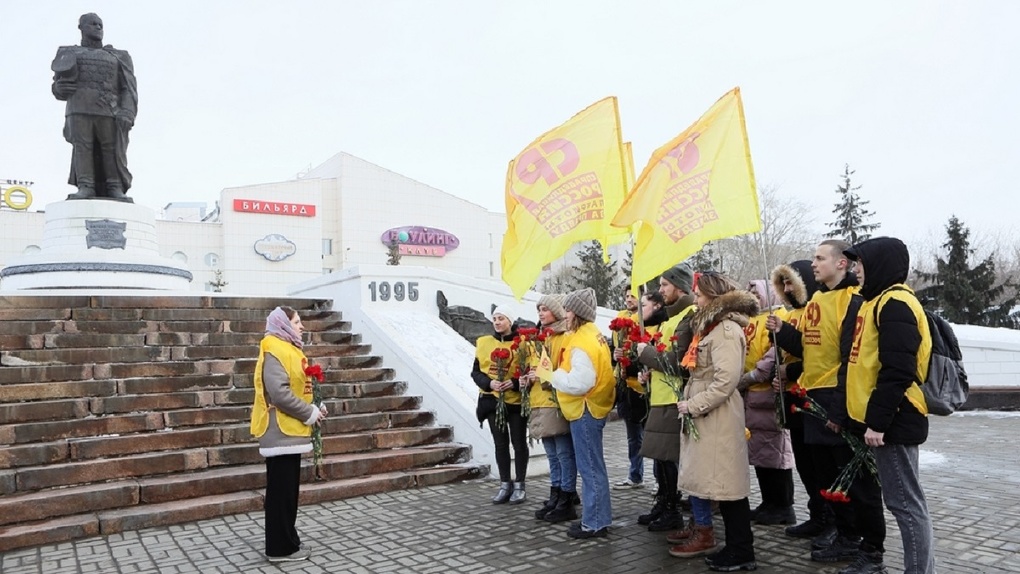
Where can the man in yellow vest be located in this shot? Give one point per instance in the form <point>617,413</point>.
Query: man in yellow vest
<point>662,429</point>
<point>822,339</point>
<point>888,362</point>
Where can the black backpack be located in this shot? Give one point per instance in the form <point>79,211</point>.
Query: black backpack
<point>946,388</point>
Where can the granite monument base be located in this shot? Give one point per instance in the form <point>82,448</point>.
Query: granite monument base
<point>96,244</point>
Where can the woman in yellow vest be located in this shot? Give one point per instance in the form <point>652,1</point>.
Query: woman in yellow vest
<point>282,419</point>
<point>586,391</point>
<point>713,462</point>
<point>547,422</point>
<point>514,429</point>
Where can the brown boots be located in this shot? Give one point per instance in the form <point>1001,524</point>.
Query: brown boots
<point>694,540</point>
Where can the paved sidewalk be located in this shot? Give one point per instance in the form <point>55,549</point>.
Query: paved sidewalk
<point>970,470</point>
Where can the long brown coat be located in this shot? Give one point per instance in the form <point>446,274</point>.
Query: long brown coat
<point>714,467</point>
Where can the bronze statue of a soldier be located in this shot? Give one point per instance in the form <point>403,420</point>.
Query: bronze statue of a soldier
<point>98,84</point>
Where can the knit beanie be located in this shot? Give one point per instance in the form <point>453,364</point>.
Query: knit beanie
<point>680,276</point>
<point>582,302</point>
<point>506,312</point>
<point>555,305</point>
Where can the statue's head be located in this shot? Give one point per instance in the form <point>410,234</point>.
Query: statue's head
<point>91,27</point>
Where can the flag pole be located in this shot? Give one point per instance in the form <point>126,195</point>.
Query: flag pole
<point>780,399</point>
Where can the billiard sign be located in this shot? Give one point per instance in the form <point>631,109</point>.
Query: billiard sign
<point>418,240</point>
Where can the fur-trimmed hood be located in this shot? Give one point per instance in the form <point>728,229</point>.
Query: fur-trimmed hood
<point>736,306</point>
<point>798,274</point>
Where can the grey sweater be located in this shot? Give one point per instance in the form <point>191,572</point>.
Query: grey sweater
<point>279,396</point>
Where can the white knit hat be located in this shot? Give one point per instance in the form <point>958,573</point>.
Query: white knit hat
<point>506,312</point>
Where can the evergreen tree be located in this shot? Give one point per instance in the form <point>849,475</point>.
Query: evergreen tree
<point>968,295</point>
<point>603,277</point>
<point>627,268</point>
<point>851,223</point>
<point>706,259</point>
<point>217,283</point>
<point>393,252</point>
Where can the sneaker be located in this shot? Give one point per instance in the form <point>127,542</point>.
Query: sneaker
<point>627,485</point>
<point>866,563</point>
<point>825,539</point>
<point>842,549</point>
<point>302,553</point>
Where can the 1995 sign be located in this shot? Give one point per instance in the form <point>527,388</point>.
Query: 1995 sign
<point>383,290</point>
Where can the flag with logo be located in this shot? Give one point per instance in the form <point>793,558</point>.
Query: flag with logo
<point>697,188</point>
<point>562,189</point>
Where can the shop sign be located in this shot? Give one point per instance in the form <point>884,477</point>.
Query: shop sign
<point>274,207</point>
<point>275,247</point>
<point>418,240</point>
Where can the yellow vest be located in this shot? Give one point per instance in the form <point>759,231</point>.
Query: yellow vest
<point>599,399</point>
<point>483,352</point>
<point>618,339</point>
<point>294,362</point>
<point>662,394</point>
<point>758,343</point>
<point>541,398</point>
<point>862,371</point>
<point>821,326</point>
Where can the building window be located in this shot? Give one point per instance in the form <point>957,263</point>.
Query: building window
<point>492,269</point>
<point>490,241</point>
<point>327,246</point>
<point>326,270</point>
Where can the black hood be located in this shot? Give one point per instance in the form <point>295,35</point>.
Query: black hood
<point>886,263</point>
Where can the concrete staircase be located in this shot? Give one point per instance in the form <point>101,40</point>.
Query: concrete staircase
<point>122,412</point>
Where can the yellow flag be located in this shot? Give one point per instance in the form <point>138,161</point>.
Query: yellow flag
<point>617,235</point>
<point>560,190</point>
<point>697,188</point>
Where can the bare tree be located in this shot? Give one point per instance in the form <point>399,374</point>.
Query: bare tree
<point>786,235</point>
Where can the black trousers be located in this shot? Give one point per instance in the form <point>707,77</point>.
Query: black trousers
<point>864,515</point>
<point>776,486</point>
<point>283,477</point>
<point>736,516</point>
<point>818,507</point>
<point>515,432</point>
<point>667,477</point>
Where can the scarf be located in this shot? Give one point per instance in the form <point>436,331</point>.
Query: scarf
<point>278,325</point>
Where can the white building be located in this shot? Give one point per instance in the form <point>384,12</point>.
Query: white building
<point>263,238</point>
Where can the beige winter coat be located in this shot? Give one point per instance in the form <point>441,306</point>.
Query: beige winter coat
<point>714,467</point>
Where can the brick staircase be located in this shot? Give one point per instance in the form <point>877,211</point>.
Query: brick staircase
<point>120,412</point>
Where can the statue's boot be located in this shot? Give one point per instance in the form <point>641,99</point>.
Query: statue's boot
<point>85,191</point>
<point>114,190</point>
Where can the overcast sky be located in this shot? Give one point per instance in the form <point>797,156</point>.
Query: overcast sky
<point>921,98</point>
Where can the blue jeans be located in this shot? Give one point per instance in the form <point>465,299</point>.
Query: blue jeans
<point>559,450</point>
<point>596,509</point>
<point>901,489</point>
<point>635,436</point>
<point>702,511</point>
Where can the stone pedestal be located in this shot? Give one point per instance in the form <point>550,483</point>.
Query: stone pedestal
<point>97,244</point>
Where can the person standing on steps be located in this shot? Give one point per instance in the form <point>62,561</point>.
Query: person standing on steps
<point>282,419</point>
<point>514,431</point>
<point>586,389</point>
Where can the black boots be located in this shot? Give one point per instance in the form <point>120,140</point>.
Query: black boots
<point>554,493</point>
<point>841,549</point>
<point>775,515</point>
<point>729,560</point>
<point>809,529</point>
<point>564,509</point>
<point>669,519</point>
<point>654,513</point>
<point>504,493</point>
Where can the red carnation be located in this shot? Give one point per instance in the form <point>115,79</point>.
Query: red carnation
<point>315,371</point>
